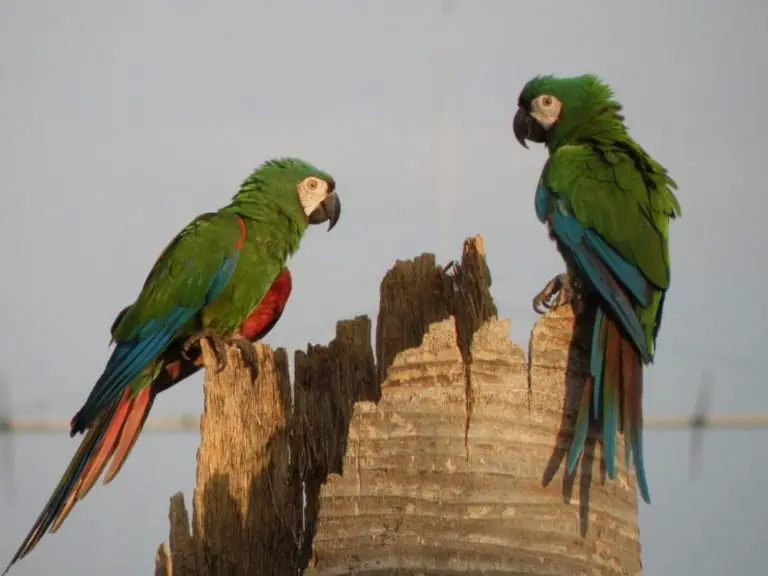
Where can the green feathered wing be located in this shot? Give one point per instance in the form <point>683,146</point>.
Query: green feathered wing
<point>608,205</point>
<point>211,264</point>
<point>223,273</point>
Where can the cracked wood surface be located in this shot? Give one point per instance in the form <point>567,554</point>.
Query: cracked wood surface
<point>441,452</point>
<point>416,498</point>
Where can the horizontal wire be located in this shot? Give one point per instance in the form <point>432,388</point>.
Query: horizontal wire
<point>191,423</point>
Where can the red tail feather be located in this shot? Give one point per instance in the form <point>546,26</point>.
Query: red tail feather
<point>106,447</point>
<point>613,344</point>
<point>112,439</point>
<point>631,403</point>
<point>85,446</point>
<point>114,433</point>
<point>142,404</point>
<point>632,377</point>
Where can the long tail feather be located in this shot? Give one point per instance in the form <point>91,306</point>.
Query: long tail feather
<point>63,491</point>
<point>131,430</point>
<point>610,399</point>
<point>597,359</point>
<point>95,464</point>
<point>111,434</point>
<point>632,380</point>
<point>581,429</point>
<point>99,443</point>
<point>612,394</point>
<point>107,447</point>
<point>620,343</point>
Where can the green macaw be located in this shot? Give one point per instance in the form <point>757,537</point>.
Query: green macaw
<point>607,205</point>
<point>223,277</point>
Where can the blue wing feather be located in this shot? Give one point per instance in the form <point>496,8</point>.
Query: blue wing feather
<point>629,275</point>
<point>221,279</point>
<point>616,360</point>
<point>572,236</point>
<point>130,358</point>
<point>542,201</point>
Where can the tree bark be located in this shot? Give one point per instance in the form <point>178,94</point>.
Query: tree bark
<point>247,499</point>
<point>444,455</point>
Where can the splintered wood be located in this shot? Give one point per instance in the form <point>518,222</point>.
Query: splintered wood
<point>247,499</point>
<point>444,455</point>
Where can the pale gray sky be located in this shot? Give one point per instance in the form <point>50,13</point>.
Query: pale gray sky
<point>121,121</point>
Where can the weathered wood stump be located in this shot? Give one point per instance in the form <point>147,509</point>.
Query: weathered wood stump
<point>445,455</point>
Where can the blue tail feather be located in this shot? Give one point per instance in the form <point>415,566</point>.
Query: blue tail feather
<point>620,287</point>
<point>632,379</point>
<point>597,357</point>
<point>642,480</point>
<point>131,357</point>
<point>581,428</point>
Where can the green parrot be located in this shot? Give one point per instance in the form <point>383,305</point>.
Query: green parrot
<point>607,205</point>
<point>223,277</point>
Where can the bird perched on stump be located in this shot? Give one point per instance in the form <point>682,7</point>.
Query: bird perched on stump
<point>607,205</point>
<point>224,278</point>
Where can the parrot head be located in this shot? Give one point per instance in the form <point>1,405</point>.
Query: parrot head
<point>555,111</point>
<point>300,189</point>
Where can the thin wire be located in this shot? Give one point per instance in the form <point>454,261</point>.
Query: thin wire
<point>191,423</point>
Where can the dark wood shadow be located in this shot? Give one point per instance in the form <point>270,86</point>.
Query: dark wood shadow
<point>579,351</point>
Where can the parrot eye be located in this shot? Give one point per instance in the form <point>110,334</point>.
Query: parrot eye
<point>312,184</point>
<point>546,110</point>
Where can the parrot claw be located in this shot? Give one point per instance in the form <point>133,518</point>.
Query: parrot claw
<point>247,352</point>
<point>558,292</point>
<point>217,345</point>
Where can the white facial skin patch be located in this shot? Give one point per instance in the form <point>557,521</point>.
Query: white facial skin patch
<point>312,191</point>
<point>546,110</point>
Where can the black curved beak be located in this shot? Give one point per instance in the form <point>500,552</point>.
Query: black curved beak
<point>526,128</point>
<point>329,209</point>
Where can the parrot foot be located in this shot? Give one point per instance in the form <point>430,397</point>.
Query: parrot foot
<point>247,352</point>
<point>558,292</point>
<point>217,345</point>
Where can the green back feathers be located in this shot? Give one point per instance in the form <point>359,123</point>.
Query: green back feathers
<point>610,182</point>
<point>590,114</point>
<point>268,204</point>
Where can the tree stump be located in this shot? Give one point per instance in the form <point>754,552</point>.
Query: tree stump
<point>444,455</point>
<point>242,464</point>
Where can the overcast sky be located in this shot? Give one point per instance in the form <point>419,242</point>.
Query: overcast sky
<point>121,121</point>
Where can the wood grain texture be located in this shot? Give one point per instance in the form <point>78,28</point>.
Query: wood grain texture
<point>441,451</point>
